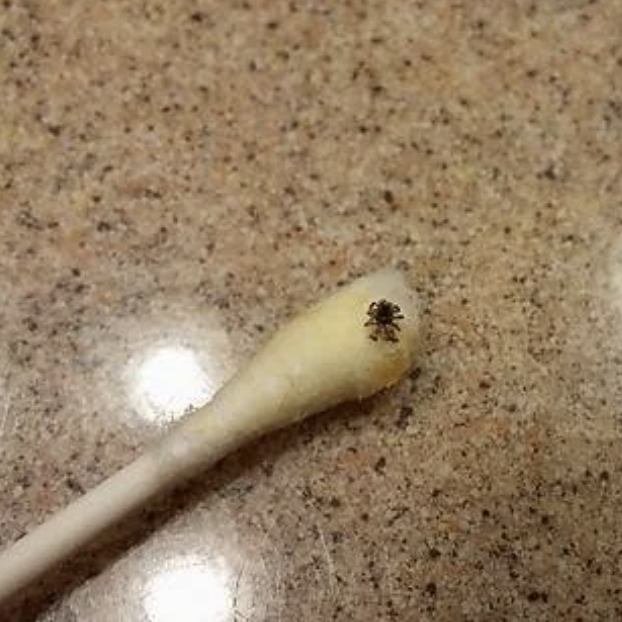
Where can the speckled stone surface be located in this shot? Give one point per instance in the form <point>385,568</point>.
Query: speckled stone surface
<point>177,178</point>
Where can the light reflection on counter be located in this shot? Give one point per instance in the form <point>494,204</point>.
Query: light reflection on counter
<point>155,368</point>
<point>169,381</point>
<point>192,589</point>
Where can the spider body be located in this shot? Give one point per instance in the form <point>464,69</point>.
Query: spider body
<point>383,315</point>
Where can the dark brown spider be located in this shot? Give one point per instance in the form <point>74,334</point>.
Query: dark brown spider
<point>382,316</point>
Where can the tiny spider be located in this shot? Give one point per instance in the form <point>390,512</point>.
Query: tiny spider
<point>382,316</point>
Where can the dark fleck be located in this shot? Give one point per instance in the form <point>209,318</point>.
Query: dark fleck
<point>415,373</point>
<point>74,485</point>
<point>535,596</point>
<point>406,412</point>
<point>31,325</point>
<point>550,173</point>
<point>388,197</point>
<point>27,220</point>
<point>434,553</point>
<point>430,588</point>
<point>380,464</point>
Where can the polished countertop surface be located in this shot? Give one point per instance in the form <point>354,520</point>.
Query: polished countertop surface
<point>178,178</point>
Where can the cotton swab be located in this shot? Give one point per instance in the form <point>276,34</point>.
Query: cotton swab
<point>347,347</point>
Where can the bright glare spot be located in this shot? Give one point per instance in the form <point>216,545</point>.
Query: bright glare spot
<point>170,381</point>
<point>192,589</point>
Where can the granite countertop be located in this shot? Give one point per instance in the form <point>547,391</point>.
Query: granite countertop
<point>178,178</point>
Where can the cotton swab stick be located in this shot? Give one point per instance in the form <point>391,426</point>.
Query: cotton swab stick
<point>345,348</point>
